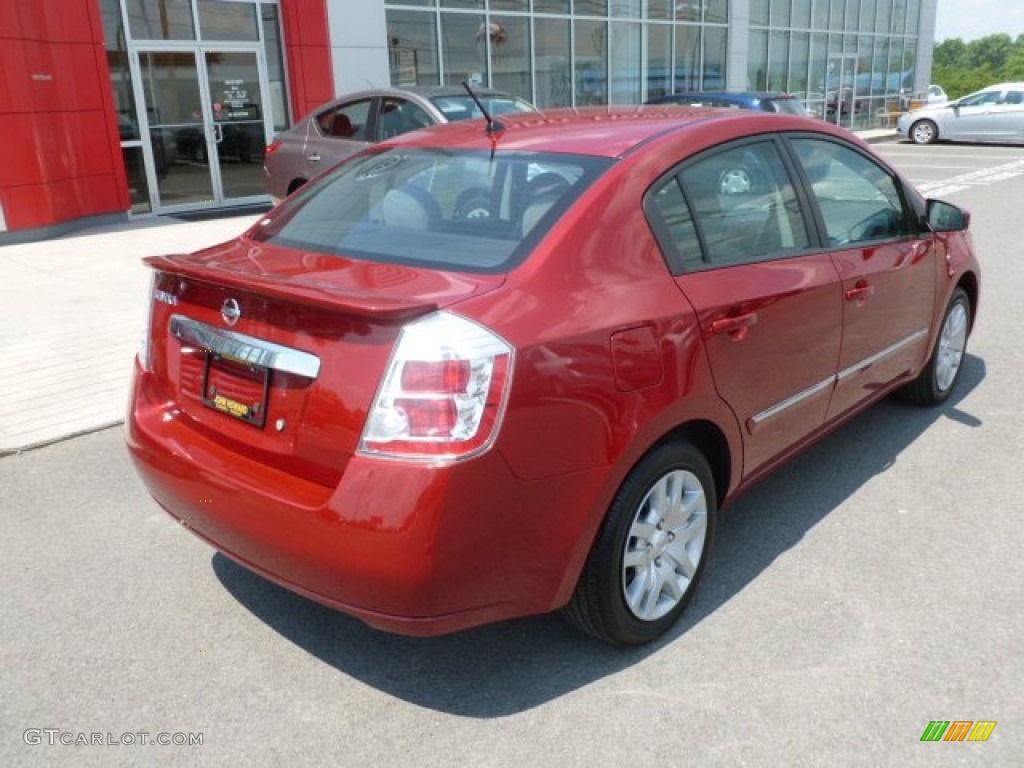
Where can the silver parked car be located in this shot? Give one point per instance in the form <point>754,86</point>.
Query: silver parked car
<point>995,113</point>
<point>344,126</point>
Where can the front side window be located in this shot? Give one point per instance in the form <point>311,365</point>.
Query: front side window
<point>858,199</point>
<point>448,209</point>
<point>743,206</point>
<point>398,116</point>
<point>981,99</point>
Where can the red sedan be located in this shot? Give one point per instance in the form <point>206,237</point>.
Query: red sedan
<point>432,420</point>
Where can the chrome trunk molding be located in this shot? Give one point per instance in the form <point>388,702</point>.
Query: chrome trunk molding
<point>246,349</point>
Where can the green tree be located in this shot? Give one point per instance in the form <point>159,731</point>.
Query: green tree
<point>963,68</point>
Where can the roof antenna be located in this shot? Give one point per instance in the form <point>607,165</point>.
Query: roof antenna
<point>493,126</point>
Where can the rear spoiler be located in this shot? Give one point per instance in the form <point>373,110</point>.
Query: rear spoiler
<point>295,289</point>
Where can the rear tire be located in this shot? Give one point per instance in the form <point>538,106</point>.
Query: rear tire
<point>651,550</point>
<point>942,371</point>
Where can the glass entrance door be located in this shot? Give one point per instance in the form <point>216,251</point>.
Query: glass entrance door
<point>206,127</point>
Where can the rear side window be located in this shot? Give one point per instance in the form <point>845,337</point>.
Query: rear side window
<point>858,199</point>
<point>346,121</point>
<point>738,204</point>
<point>449,209</point>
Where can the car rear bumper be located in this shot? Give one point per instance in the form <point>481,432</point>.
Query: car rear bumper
<point>407,547</point>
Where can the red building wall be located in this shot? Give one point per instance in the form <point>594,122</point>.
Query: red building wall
<point>307,53</point>
<point>60,157</point>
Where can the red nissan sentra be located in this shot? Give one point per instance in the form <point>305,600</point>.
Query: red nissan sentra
<point>433,422</point>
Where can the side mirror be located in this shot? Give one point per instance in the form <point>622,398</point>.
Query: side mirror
<point>946,217</point>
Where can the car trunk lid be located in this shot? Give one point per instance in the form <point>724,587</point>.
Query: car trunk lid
<point>277,353</point>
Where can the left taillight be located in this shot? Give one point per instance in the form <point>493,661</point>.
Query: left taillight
<point>444,392</point>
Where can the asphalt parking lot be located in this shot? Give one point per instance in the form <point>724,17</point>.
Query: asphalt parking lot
<point>870,587</point>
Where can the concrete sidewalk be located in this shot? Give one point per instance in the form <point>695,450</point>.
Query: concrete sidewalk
<point>72,313</point>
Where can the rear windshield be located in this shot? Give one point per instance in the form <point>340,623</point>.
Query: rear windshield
<point>458,107</point>
<point>788,106</point>
<point>448,209</point>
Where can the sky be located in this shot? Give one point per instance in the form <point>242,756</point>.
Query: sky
<point>971,19</point>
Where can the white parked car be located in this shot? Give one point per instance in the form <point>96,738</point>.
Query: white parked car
<point>995,113</point>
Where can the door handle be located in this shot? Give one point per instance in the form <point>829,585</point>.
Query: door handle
<point>860,292</point>
<point>737,327</point>
<point>314,158</point>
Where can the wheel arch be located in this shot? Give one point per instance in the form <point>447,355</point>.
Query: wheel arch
<point>711,441</point>
<point>969,283</point>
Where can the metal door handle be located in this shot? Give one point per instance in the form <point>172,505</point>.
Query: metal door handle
<point>860,292</point>
<point>314,158</point>
<point>737,327</point>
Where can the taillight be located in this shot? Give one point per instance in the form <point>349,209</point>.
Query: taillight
<point>443,394</point>
<point>272,147</point>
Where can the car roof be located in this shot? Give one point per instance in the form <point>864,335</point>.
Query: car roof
<point>599,131</point>
<point>423,91</point>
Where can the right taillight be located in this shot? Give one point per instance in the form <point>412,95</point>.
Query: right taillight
<point>272,147</point>
<point>443,394</point>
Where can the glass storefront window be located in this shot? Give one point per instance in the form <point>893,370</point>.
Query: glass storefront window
<point>510,5</point>
<point>412,48</point>
<point>471,4</point>
<point>626,9</point>
<point>778,60</point>
<point>510,55</point>
<point>867,16</point>
<point>278,97</point>
<point>835,22</point>
<point>219,20</point>
<point>591,62</point>
<point>715,52</point>
<point>551,6</point>
<point>687,74</point>
<point>759,12</point>
<point>717,11</point>
<point>135,171</point>
<point>464,48</point>
<point>819,19</point>
<point>552,66</point>
<point>590,7</point>
<point>899,17</point>
<point>160,19</point>
<point>660,9</point>
<point>624,63</point>
<point>883,24</point>
<point>659,60</point>
<point>757,64</point>
<point>780,13</point>
<point>799,54</point>
<point>802,14</point>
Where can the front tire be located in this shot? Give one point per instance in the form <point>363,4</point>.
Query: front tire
<point>924,132</point>
<point>942,371</point>
<point>651,550</point>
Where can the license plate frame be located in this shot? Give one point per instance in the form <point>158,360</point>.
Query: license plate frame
<point>255,414</point>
